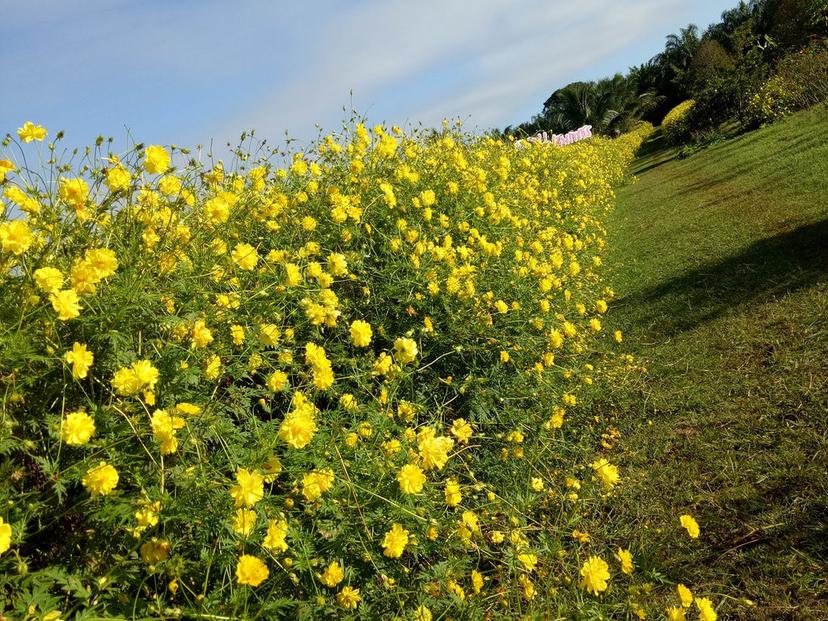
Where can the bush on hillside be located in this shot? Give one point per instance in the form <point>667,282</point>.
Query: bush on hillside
<point>675,124</point>
<point>343,386</point>
<point>772,102</point>
<point>799,81</point>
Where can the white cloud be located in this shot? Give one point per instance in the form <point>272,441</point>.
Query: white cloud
<point>535,64</point>
<point>509,52</point>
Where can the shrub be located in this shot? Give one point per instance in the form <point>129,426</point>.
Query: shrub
<point>675,126</point>
<point>771,102</point>
<point>347,384</point>
<point>800,80</point>
<point>726,97</point>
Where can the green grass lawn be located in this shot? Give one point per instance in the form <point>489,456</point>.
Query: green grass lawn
<point>721,276</point>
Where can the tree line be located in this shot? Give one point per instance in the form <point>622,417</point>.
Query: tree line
<point>720,68</point>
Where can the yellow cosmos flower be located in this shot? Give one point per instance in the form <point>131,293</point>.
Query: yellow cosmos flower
<point>74,192</point>
<point>48,279</point>
<point>383,364</point>
<point>6,166</point>
<point>27,203</point>
<point>146,516</point>
<point>81,359</point>
<point>244,521</point>
<point>190,409</point>
<point>455,589</point>
<point>685,595</point>
<point>164,426</point>
<point>529,561</point>
<point>690,525</point>
<point>269,334</point>
<point>706,610</point>
<point>102,261</point>
<point>315,356</point>
<point>141,375</point>
<point>594,575</point>
<point>411,479</point>
<point>78,427</point>
<point>299,426</point>
<point>157,160</point>
<point>529,592</point>
<point>433,449</point>
<point>625,558</point>
<point>201,334</point>
<point>477,581</point>
<point>607,472</point>
<point>361,333</point>
<point>31,132</point>
<point>249,488</point>
<point>348,598</point>
<point>461,430</point>
<point>277,381</point>
<point>251,570</point>
<point>66,304</point>
<point>405,350</point>
<point>337,264</point>
<point>452,493</point>
<point>293,275</point>
<point>154,551</point>
<point>395,541</point>
<point>276,536</point>
<point>423,614</point>
<point>169,185</point>
<point>100,480</point>
<point>117,178</point>
<point>5,536</point>
<point>237,334</point>
<point>216,211</point>
<point>332,575</point>
<point>15,237</point>
<point>212,367</point>
<point>316,483</point>
<point>245,256</point>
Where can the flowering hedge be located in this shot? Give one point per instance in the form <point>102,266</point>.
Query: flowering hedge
<point>675,125</point>
<point>348,385</point>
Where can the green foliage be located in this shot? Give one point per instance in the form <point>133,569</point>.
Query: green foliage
<point>710,61</point>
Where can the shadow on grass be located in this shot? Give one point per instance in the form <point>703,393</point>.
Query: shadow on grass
<point>652,154</point>
<point>773,266</point>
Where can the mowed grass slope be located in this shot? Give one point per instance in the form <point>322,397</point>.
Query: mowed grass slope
<point>722,283</point>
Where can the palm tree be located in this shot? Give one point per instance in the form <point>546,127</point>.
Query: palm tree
<point>611,106</point>
<point>677,58</point>
<point>647,76</point>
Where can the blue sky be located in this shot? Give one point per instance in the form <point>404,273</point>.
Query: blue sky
<point>186,71</point>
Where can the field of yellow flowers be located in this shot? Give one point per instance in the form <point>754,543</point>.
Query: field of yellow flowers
<point>342,384</point>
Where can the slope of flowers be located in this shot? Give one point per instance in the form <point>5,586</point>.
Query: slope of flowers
<point>346,385</point>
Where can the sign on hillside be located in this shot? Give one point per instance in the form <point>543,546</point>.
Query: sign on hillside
<point>561,139</point>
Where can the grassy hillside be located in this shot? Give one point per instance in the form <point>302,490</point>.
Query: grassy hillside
<point>722,278</point>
